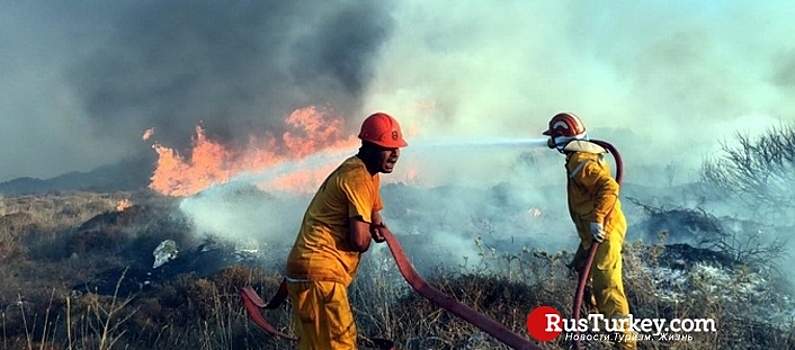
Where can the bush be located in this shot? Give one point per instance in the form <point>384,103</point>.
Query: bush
<point>704,230</point>
<point>756,172</point>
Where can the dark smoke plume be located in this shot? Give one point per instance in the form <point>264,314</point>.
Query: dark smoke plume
<point>237,68</point>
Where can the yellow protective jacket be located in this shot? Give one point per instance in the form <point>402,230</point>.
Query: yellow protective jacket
<point>592,192</point>
<point>322,251</point>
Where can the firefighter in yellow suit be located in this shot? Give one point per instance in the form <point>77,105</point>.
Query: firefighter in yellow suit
<point>596,213</point>
<point>338,226</point>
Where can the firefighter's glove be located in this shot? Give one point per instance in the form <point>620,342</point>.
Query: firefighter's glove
<point>598,232</point>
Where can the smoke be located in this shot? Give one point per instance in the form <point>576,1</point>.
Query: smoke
<point>238,212</point>
<point>238,68</point>
<point>83,80</point>
<point>664,82</point>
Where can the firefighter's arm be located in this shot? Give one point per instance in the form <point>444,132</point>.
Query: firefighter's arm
<point>378,222</point>
<point>361,199</point>
<point>605,188</point>
<point>377,219</point>
<point>359,234</point>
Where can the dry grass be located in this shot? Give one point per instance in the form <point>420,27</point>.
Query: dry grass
<point>49,244</point>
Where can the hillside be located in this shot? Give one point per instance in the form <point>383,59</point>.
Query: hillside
<point>126,175</point>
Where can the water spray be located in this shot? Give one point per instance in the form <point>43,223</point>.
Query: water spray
<point>287,167</point>
<point>497,142</point>
<point>324,158</point>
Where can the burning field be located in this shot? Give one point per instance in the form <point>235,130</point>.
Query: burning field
<point>162,267</point>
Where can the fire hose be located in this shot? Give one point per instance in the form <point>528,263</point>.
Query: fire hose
<point>586,271</point>
<point>253,305</point>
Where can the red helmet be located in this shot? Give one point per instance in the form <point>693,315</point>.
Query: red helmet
<point>565,124</point>
<point>383,130</point>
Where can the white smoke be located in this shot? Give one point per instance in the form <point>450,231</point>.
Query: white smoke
<point>665,82</point>
<point>679,75</point>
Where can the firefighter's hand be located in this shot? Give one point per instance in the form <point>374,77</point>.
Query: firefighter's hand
<point>598,232</point>
<point>375,232</point>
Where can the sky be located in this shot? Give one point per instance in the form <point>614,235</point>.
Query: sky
<point>80,81</point>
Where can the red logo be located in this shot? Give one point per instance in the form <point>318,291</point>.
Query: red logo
<point>544,323</point>
<point>394,135</point>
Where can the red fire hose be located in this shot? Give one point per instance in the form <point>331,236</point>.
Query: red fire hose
<point>253,305</point>
<point>586,271</point>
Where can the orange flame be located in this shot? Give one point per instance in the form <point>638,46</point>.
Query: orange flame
<point>211,162</point>
<point>123,204</point>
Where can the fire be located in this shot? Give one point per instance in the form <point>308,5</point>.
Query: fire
<point>123,204</point>
<point>318,133</point>
<point>213,163</point>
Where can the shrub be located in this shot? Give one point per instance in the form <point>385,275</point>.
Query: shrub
<point>756,172</point>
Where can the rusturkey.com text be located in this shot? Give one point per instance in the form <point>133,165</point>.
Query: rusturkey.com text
<point>545,323</point>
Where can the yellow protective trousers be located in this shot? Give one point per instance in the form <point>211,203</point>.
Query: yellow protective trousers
<point>322,316</point>
<point>607,283</point>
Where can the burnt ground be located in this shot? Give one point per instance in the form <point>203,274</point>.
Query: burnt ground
<point>681,256</point>
<point>93,254</point>
<point>202,261</point>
